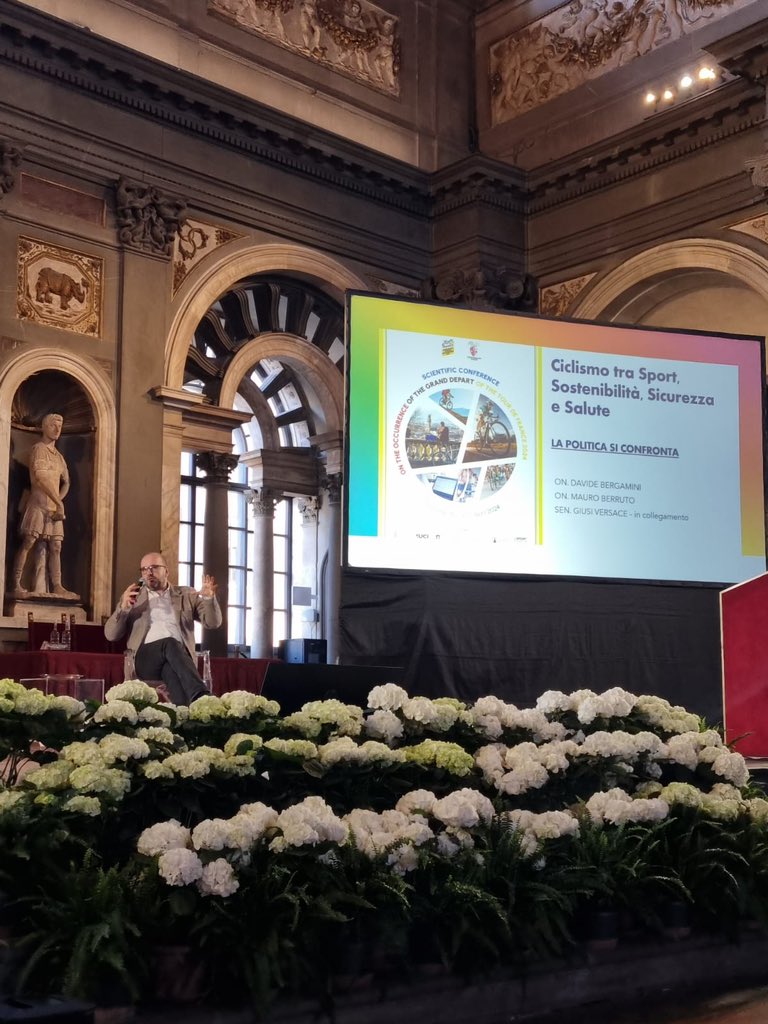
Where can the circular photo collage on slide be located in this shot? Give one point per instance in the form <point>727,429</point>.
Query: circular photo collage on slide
<point>461,445</point>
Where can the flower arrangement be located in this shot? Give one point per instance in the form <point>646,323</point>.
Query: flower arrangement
<point>485,827</point>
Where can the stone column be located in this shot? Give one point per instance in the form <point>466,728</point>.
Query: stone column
<point>262,504</point>
<point>217,466</point>
<point>332,597</point>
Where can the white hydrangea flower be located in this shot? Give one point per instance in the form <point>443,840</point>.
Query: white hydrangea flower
<point>243,704</point>
<point>123,748</point>
<point>418,800</point>
<point>72,708</point>
<point>464,808</point>
<point>207,708</point>
<point>180,866</point>
<point>51,776</point>
<point>31,702</point>
<point>553,701</point>
<point>154,716</point>
<point>165,835</point>
<point>388,696</point>
<point>727,764</point>
<point>92,778</point>
<point>420,709</point>
<point>252,739</point>
<point>8,799</point>
<point>303,749</point>
<point>116,711</point>
<point>211,834</point>
<point>308,823</point>
<point>88,752</point>
<point>681,793</point>
<point>250,824</point>
<point>384,725</point>
<point>132,690</point>
<point>403,859</point>
<point>155,770</point>
<point>156,734</point>
<point>218,879</point>
<point>89,805</point>
<point>757,808</point>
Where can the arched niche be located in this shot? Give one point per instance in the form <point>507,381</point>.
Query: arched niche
<point>96,412</point>
<point>709,284</point>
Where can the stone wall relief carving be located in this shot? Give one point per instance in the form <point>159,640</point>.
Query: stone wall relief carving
<point>556,299</point>
<point>194,241</point>
<point>148,219</point>
<point>353,37</point>
<point>757,227</point>
<point>59,287</point>
<point>583,40</point>
<point>10,158</point>
<point>483,288</point>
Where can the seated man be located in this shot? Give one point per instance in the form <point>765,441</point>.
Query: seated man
<point>159,620</point>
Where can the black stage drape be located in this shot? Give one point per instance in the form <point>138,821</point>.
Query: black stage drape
<point>467,637</point>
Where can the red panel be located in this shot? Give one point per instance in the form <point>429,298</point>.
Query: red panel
<point>744,624</point>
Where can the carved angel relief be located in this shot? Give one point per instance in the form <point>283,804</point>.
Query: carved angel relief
<point>353,37</point>
<point>584,40</point>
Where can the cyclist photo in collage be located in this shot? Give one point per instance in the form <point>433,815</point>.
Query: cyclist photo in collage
<point>492,436</point>
<point>436,428</point>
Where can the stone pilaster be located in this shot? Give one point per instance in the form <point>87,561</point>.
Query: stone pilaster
<point>217,466</point>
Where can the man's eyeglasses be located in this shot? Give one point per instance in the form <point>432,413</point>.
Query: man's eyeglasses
<point>151,568</point>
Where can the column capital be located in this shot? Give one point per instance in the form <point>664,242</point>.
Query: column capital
<point>262,502</point>
<point>217,465</point>
<point>758,172</point>
<point>331,482</point>
<point>308,507</point>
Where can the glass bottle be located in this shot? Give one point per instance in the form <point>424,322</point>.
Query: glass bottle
<point>206,673</point>
<point>129,667</point>
<point>53,639</point>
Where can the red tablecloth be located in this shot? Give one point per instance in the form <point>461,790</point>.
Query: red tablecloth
<point>228,673</point>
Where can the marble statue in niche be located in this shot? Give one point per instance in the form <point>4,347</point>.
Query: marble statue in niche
<point>42,525</point>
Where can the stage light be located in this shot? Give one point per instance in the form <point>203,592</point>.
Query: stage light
<point>668,95</point>
<point>707,74</point>
<point>686,82</point>
<point>650,97</point>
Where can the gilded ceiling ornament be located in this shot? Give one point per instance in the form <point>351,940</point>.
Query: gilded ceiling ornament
<point>353,37</point>
<point>584,40</point>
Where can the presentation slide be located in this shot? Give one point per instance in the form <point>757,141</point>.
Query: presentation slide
<point>508,444</point>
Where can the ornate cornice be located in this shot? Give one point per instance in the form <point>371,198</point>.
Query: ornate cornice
<point>739,108</point>
<point>478,180</point>
<point>123,78</point>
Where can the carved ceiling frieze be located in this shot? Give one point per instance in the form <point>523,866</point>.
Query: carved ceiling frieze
<point>59,287</point>
<point>195,240</point>
<point>556,299</point>
<point>352,37</point>
<point>584,40</point>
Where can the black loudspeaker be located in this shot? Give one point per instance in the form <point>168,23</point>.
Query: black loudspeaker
<point>303,652</point>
